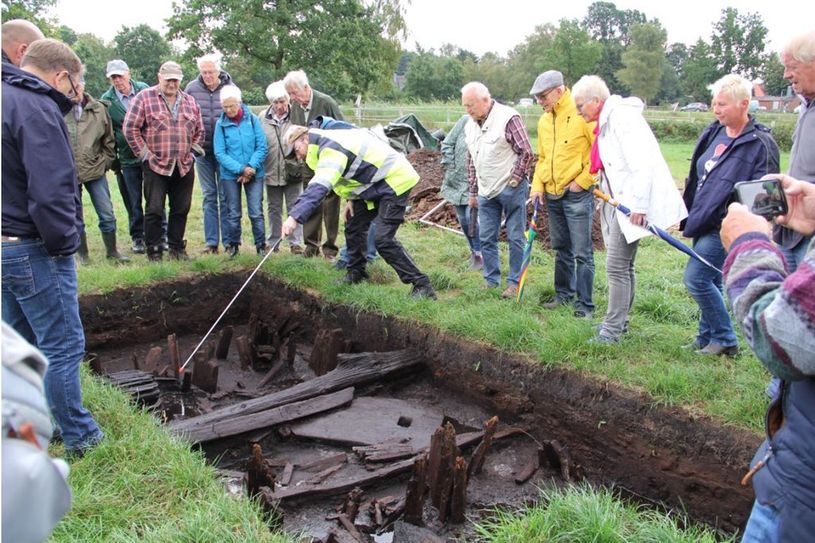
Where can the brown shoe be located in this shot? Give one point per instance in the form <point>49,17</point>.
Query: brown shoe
<point>510,292</point>
<point>296,250</point>
<point>210,250</point>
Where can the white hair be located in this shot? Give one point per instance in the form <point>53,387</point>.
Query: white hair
<point>276,91</point>
<point>296,79</point>
<point>735,85</point>
<point>212,57</point>
<point>802,48</point>
<point>230,91</point>
<point>478,89</point>
<point>589,87</point>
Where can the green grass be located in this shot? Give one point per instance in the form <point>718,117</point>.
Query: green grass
<point>140,485</point>
<point>580,513</point>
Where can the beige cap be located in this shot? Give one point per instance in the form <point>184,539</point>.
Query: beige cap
<point>292,134</point>
<point>171,70</point>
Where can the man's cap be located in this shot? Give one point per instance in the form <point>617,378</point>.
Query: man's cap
<point>170,70</point>
<point>292,134</point>
<point>546,81</point>
<point>116,67</point>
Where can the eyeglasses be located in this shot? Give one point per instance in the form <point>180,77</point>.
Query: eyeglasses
<point>580,106</point>
<point>542,95</point>
<point>74,91</point>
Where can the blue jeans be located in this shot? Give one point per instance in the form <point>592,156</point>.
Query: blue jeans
<point>570,218</point>
<point>463,214</point>
<point>99,192</point>
<point>214,205</point>
<point>762,526</point>
<point>40,302</point>
<point>370,250</point>
<point>705,285</point>
<point>254,206</point>
<point>795,255</point>
<point>510,202</point>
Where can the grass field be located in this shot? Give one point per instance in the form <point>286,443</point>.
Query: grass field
<point>141,485</point>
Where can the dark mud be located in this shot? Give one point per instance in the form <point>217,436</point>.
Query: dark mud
<point>618,436</point>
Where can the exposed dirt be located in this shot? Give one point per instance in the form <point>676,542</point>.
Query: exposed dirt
<point>425,196</point>
<point>618,436</point>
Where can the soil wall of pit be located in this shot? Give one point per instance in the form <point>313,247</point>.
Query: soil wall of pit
<point>618,436</point>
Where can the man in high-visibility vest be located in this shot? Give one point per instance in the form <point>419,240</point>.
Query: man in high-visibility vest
<point>375,179</point>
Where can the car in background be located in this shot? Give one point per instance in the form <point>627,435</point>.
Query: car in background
<point>525,102</point>
<point>694,106</point>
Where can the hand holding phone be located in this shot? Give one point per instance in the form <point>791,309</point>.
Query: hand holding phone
<point>763,197</point>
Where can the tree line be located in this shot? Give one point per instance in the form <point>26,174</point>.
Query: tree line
<point>351,47</point>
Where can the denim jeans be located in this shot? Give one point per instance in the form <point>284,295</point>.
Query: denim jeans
<point>99,192</point>
<point>463,214</point>
<point>158,189</point>
<point>370,249</point>
<point>705,285</point>
<point>214,204</point>
<point>510,202</point>
<point>762,526</point>
<point>622,281</point>
<point>254,207</point>
<point>795,255</point>
<point>40,302</point>
<point>274,207</point>
<point>385,218</point>
<point>570,218</point>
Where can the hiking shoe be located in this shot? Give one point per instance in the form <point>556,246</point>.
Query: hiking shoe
<point>295,249</point>
<point>582,314</point>
<point>602,339</point>
<point>261,249</point>
<point>210,250</point>
<point>423,291</point>
<point>179,254</point>
<point>510,292</point>
<point>138,247</point>
<point>353,277</point>
<point>232,251</point>
<point>554,303</point>
<point>714,349</point>
<point>694,346</point>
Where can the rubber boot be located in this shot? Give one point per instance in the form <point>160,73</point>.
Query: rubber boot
<point>110,246</point>
<point>82,252</point>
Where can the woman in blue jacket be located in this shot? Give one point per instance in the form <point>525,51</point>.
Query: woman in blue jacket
<point>733,148</point>
<point>240,148</point>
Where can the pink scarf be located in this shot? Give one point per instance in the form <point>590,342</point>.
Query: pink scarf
<point>595,162</point>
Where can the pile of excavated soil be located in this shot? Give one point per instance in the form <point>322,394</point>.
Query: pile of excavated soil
<point>425,196</point>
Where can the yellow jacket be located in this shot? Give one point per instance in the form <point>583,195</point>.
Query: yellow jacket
<point>564,144</point>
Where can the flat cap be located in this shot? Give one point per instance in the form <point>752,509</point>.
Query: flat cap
<point>171,70</point>
<point>116,67</point>
<point>545,81</point>
<point>292,134</point>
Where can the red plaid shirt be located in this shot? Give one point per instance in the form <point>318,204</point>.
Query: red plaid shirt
<point>151,131</point>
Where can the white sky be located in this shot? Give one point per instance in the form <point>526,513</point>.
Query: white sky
<point>481,25</point>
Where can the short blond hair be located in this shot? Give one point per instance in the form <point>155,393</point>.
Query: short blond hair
<point>737,87</point>
<point>49,55</point>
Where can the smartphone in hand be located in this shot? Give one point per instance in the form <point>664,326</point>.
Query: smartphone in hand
<point>763,197</point>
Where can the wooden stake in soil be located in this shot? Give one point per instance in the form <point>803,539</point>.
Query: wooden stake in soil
<point>441,481</point>
<point>245,352</point>
<point>205,375</point>
<point>151,360</point>
<point>259,473</point>
<point>351,505</point>
<point>458,501</point>
<point>327,345</point>
<point>175,358</point>
<point>416,492</point>
<point>224,339</point>
<point>477,461</point>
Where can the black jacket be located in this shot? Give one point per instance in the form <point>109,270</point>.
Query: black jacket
<point>40,187</point>
<point>209,102</point>
<point>751,155</point>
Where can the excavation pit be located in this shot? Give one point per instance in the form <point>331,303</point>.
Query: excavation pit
<point>590,428</point>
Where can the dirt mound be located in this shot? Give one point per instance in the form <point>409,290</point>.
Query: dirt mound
<point>425,196</point>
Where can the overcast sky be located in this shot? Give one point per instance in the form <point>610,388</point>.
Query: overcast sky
<point>479,25</point>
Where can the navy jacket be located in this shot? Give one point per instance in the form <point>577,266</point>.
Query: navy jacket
<point>751,155</point>
<point>40,187</point>
<point>209,102</point>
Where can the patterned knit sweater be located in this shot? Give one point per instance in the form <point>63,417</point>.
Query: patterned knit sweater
<point>776,309</point>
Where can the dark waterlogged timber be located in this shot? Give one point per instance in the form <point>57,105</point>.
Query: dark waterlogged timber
<point>663,455</point>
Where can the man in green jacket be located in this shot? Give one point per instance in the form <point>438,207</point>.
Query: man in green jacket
<point>127,167</point>
<point>91,134</point>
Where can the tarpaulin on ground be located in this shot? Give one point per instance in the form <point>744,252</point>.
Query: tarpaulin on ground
<point>407,134</point>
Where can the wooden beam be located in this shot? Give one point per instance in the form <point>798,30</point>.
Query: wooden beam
<point>221,428</point>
